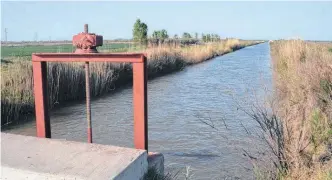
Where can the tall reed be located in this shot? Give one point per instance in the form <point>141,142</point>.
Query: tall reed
<point>303,79</point>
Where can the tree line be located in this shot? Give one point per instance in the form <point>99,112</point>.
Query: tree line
<point>140,36</point>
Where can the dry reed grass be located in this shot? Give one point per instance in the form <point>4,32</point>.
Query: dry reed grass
<point>66,81</point>
<point>303,80</point>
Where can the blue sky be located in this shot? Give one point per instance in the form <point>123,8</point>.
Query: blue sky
<point>247,20</point>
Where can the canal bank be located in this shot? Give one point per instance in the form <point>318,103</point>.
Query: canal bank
<point>303,86</point>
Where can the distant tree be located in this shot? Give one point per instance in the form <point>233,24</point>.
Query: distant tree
<point>155,34</point>
<point>162,34</point>
<point>216,37</point>
<point>159,37</point>
<point>196,35</point>
<point>203,37</point>
<point>140,32</point>
<point>176,36</point>
<point>208,38</point>
<point>186,35</point>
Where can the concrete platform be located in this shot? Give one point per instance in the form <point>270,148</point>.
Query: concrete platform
<point>25,157</point>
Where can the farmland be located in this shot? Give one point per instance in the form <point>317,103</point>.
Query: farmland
<point>27,50</point>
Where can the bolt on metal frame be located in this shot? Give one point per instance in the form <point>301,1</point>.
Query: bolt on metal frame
<point>86,52</point>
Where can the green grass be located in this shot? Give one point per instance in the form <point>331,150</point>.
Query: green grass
<point>9,51</point>
<point>330,49</point>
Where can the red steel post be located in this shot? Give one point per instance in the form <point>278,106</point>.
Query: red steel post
<point>140,105</point>
<point>43,125</point>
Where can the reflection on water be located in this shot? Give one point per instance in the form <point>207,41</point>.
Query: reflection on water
<point>194,116</point>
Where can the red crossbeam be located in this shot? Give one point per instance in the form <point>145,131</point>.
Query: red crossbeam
<point>83,57</point>
<point>39,61</point>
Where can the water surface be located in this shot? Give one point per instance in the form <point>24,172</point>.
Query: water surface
<point>194,116</point>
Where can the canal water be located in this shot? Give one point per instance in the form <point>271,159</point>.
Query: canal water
<point>195,116</point>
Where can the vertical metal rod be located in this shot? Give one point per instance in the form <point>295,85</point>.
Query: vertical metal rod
<point>86,28</point>
<point>88,105</point>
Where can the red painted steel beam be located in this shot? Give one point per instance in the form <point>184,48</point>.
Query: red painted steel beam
<point>140,104</point>
<point>87,57</point>
<point>43,125</point>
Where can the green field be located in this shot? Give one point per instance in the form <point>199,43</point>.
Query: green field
<point>9,51</point>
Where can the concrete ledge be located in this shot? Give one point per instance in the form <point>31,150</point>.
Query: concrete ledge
<point>25,157</point>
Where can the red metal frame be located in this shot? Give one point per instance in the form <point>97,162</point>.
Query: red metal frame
<point>139,89</point>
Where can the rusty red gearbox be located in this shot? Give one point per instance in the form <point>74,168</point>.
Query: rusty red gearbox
<point>86,42</point>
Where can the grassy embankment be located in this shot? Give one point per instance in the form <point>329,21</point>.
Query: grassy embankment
<point>66,80</point>
<point>303,80</point>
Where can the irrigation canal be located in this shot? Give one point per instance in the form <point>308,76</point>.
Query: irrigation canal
<point>194,116</point>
